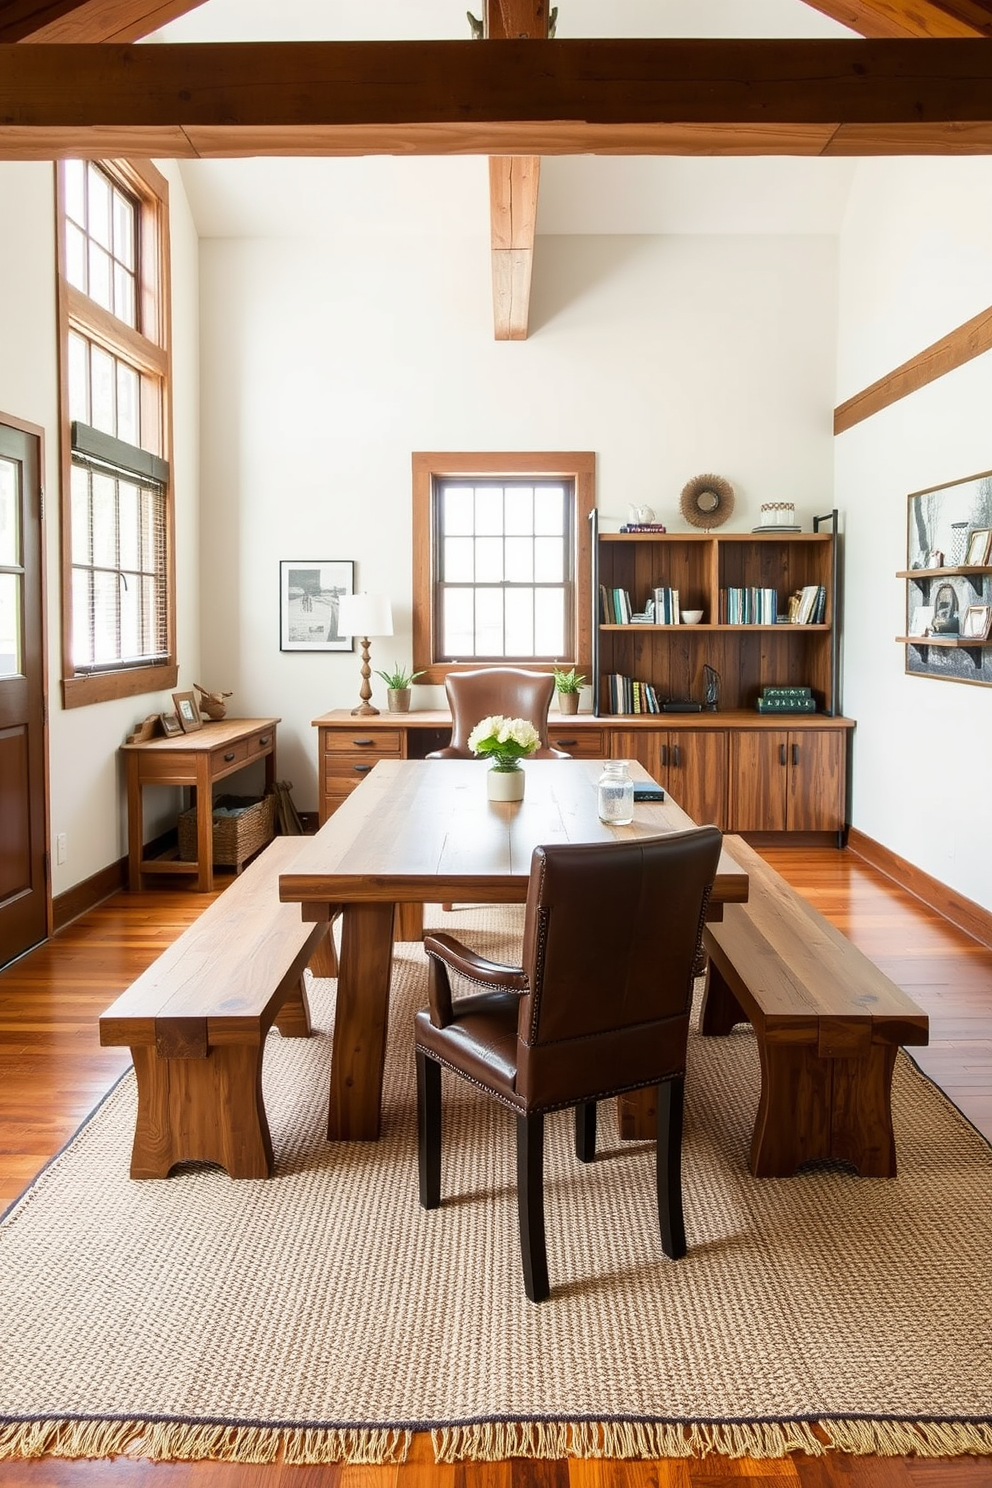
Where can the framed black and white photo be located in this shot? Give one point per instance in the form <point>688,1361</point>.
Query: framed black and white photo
<point>310,591</point>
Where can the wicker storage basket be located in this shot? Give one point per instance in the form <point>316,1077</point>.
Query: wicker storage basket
<point>235,837</point>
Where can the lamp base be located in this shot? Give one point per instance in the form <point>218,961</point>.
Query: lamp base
<point>363,709</point>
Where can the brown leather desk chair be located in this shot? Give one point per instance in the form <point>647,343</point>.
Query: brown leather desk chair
<point>511,691</point>
<point>600,1005</point>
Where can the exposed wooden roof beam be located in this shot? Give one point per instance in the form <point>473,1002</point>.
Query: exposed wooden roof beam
<point>895,18</point>
<point>514,181</point>
<point>86,20</point>
<point>508,97</point>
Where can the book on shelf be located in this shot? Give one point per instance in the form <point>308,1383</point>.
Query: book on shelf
<point>787,700</point>
<point>614,606</point>
<point>750,606</point>
<point>666,605</point>
<point>808,605</point>
<point>643,527</point>
<point>630,695</point>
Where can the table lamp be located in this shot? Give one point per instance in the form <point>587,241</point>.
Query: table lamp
<point>365,615</point>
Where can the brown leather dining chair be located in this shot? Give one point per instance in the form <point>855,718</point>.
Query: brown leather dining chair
<point>511,691</point>
<point>598,1006</point>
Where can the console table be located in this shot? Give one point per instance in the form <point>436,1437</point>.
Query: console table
<point>196,760</point>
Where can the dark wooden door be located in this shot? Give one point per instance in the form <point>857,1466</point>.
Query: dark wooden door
<point>23,828</point>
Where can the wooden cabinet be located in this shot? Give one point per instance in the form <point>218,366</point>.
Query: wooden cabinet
<point>690,763</point>
<point>787,780</point>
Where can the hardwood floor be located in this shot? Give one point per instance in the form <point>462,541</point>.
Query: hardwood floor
<point>53,1071</point>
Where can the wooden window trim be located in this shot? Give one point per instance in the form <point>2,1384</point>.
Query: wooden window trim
<point>579,467</point>
<point>149,347</point>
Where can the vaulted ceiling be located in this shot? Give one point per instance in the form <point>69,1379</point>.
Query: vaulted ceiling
<point>907,77</point>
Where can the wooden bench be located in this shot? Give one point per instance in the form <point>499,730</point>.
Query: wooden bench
<point>197,1019</point>
<point>828,1024</point>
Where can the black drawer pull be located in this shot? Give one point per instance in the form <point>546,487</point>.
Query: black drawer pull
<point>795,754</point>
<point>781,754</point>
<point>363,743</point>
<point>229,757</point>
<point>362,769</point>
<point>566,743</point>
<point>264,739</point>
<point>677,755</point>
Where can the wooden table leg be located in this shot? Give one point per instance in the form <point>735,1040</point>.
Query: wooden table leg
<point>204,826</point>
<point>135,824</point>
<point>409,922</point>
<point>360,1022</point>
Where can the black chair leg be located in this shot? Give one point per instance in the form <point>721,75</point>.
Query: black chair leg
<point>669,1160</point>
<point>530,1205</point>
<point>585,1131</point>
<point>429,1129</point>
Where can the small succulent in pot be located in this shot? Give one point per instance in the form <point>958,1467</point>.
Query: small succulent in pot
<point>398,682</point>
<point>568,685</point>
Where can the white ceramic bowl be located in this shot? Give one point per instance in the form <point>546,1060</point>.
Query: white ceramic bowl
<point>691,617</point>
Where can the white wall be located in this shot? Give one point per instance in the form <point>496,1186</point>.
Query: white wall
<point>916,261</point>
<point>87,799</point>
<point>324,364</point>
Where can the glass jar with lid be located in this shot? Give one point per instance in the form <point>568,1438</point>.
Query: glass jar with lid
<point>616,793</point>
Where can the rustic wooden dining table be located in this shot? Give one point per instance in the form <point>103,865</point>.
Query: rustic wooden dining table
<point>421,832</point>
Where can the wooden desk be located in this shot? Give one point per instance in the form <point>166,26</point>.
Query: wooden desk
<point>422,831</point>
<point>196,760</point>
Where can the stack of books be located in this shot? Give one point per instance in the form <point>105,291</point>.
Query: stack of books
<point>643,527</point>
<point>614,606</point>
<point>666,606</point>
<point>627,695</point>
<point>748,606</point>
<point>787,700</point>
<point>809,605</point>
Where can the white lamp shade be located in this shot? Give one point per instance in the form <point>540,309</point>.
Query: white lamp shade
<point>365,615</point>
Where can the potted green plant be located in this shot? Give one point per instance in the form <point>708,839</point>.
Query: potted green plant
<point>398,683</point>
<point>568,685</point>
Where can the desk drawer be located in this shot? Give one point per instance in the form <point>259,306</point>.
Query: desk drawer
<point>582,743</point>
<point>235,754</point>
<point>379,743</point>
<point>264,742</point>
<point>341,775</point>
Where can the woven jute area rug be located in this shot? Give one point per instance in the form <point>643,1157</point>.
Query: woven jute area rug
<point>322,1315</point>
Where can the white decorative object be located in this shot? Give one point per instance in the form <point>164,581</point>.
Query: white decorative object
<point>691,617</point>
<point>778,514</point>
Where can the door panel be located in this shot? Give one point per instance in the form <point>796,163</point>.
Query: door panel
<point>23,824</point>
<point>816,781</point>
<point>697,774</point>
<point>759,765</point>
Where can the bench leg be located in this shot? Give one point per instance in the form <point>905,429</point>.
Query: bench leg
<point>201,1110</point>
<point>813,1107</point>
<point>293,1018</point>
<point>720,1010</point>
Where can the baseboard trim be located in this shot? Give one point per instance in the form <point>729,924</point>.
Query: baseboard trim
<point>92,891</point>
<point>88,894</point>
<point>962,912</point>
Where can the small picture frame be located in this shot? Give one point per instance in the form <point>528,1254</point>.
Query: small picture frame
<point>977,622</point>
<point>934,559</point>
<point>170,724</point>
<point>188,712</point>
<point>977,551</point>
<point>310,590</point>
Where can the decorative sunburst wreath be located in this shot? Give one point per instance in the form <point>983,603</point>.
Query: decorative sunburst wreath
<point>707,500</point>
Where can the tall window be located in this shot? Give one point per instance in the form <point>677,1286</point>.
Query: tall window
<point>506,577</point>
<point>118,584</point>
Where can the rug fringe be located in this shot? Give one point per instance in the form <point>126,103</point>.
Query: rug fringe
<point>492,1441</point>
<point>180,1441</point>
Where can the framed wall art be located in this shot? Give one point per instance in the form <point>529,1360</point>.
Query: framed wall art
<point>310,591</point>
<point>949,581</point>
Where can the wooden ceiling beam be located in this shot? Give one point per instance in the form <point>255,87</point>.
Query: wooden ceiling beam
<point>514,182</point>
<point>515,98</point>
<point>55,21</point>
<point>900,18</point>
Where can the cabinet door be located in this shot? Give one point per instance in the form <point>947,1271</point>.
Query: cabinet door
<point>759,767</point>
<point>817,767</point>
<point>697,773</point>
<point>643,745</point>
